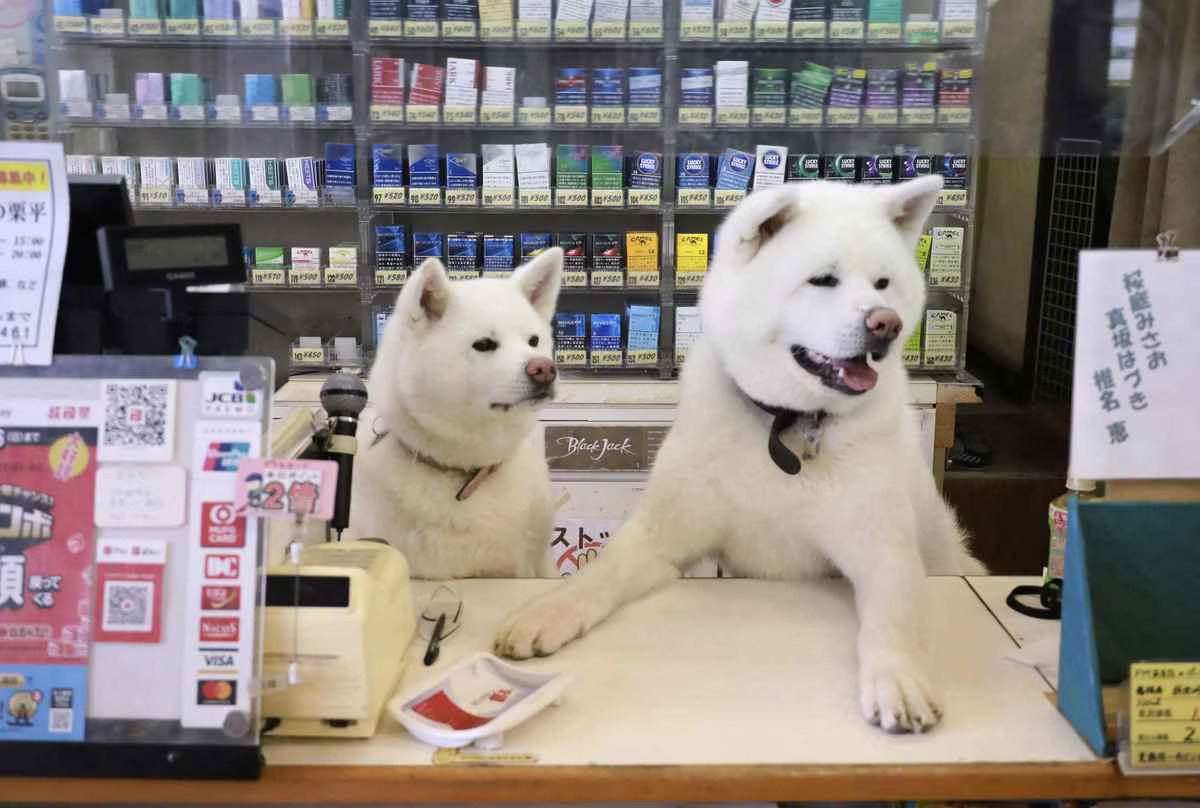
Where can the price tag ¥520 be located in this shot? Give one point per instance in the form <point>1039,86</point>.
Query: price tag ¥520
<point>273,488</point>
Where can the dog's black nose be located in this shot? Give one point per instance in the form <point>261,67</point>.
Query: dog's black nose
<point>541,370</point>
<point>883,324</point>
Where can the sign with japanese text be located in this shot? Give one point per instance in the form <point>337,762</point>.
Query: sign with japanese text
<point>273,488</point>
<point>1164,715</point>
<point>34,215</point>
<point>1133,408</point>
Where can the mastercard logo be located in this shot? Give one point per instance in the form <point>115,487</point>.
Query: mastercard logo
<point>216,691</point>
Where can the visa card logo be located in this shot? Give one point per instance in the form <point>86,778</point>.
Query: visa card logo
<point>225,455</point>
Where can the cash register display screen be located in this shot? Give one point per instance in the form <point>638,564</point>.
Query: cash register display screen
<point>182,252</point>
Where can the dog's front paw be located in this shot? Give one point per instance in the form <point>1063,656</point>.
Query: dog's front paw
<point>542,626</point>
<point>897,696</point>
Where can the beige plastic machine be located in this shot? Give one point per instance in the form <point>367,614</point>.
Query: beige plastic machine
<point>339,623</point>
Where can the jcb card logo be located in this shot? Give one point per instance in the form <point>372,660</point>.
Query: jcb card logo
<point>219,629</point>
<point>224,396</point>
<point>220,526</point>
<point>222,566</point>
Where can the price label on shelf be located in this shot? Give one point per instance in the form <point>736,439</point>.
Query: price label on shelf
<point>643,358</point>
<point>391,277</point>
<point>608,116</point>
<point>108,26</point>
<point>925,32</point>
<point>535,197</point>
<point>333,29</point>
<point>533,116</point>
<point>258,29</point>
<point>769,116</point>
<point>266,198</point>
<point>458,114</point>
<point>575,279</point>
<point>644,197</point>
<point>843,116</point>
<point>608,198</point>
<point>917,116</point>
<point>114,112</point>
<point>572,115</point>
<point>570,358</point>
<point>958,30</point>
<point>189,112</point>
<point>952,198</point>
<point>693,197</point>
<point>499,197</point>
<point>229,197</point>
<point>645,116</point>
<point>183,27</point>
<point>571,29</point>
<point>570,197</point>
<point>846,31</point>
<point>218,27</point>
<point>605,30</point>
<point>881,116</point>
<point>425,196</point>
<point>533,30</point>
<point>390,113</point>
<point>809,31</point>
<point>498,274</point>
<point>1164,715</point>
<point>696,116</point>
<point>341,276</point>
<point>302,355</point>
<point>264,112</point>
<point>421,113</point>
<point>496,31</point>
<point>496,116</point>
<point>954,116</point>
<point>643,278</point>
<point>697,30</point>
<point>227,114</point>
<point>607,279</point>
<point>805,116</point>
<point>770,31</point>
<point>192,197</point>
<point>689,280</point>
<point>462,197</point>
<point>733,31</point>
<point>420,29</point>
<point>156,196</point>
<point>459,29</point>
<point>266,276</point>
<point>336,112</point>
<point>463,274</point>
<point>145,26</point>
<point>385,28</point>
<point>388,195</point>
<point>70,25</point>
<point>77,109</point>
<point>884,32</point>
<point>304,276</point>
<point>606,359</point>
<point>733,116</point>
<point>727,197</point>
<point>303,198</point>
<point>645,31</point>
<point>296,29</point>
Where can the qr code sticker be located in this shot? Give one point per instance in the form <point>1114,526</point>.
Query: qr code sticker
<point>128,606</point>
<point>62,721</point>
<point>139,421</point>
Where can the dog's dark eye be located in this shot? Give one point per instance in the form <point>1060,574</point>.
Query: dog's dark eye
<point>533,341</point>
<point>824,280</point>
<point>486,344</point>
<point>882,283</point>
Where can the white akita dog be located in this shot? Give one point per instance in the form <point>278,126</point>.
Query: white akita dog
<point>794,453</point>
<point>449,473</point>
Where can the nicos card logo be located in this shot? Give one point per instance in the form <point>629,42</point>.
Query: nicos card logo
<point>219,629</point>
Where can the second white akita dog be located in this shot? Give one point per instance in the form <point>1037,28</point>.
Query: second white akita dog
<point>449,473</point>
<point>794,453</point>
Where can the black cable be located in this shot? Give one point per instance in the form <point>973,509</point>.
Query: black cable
<point>1049,594</point>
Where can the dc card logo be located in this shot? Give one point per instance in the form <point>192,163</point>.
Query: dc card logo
<point>771,159</point>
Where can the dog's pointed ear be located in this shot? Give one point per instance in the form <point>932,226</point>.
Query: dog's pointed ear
<point>756,220</point>
<point>427,292</point>
<point>540,279</point>
<point>910,203</point>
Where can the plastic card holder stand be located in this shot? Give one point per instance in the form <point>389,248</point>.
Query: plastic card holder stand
<point>182,702</point>
<point>1129,595</point>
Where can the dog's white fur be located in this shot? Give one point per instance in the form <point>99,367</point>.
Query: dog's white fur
<point>438,396</point>
<point>865,506</point>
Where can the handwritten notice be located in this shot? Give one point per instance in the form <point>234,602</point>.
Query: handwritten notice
<point>34,214</point>
<point>1164,715</point>
<point>1133,410</point>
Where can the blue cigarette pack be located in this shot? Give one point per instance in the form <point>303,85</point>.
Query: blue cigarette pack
<point>954,170</point>
<point>340,165</point>
<point>533,243</point>
<point>643,328</point>
<point>462,251</point>
<point>387,164</point>
<point>734,170</point>
<point>423,168</point>
<point>426,245</point>
<point>498,253</point>
<point>645,170</point>
<point>391,246</point>
<point>462,169</point>
<point>692,170</point>
<point>570,331</point>
<point>605,332</point>
<point>260,88</point>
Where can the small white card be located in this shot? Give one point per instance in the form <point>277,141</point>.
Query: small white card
<point>140,495</point>
<point>219,446</point>
<point>139,421</point>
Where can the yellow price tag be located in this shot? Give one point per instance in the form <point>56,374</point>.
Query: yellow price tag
<point>458,114</point>
<point>145,26</point>
<point>108,26</point>
<point>421,113</point>
<point>535,197</point>
<point>220,27</point>
<point>645,116</point>
<point>954,116</point>
<point>533,29</point>
<point>846,30</point>
<point>843,116</point>
<point>733,116</point>
<point>341,276</point>
<point>425,196</point>
<point>689,280</point>
<point>498,197</point>
<point>727,197</point>
<point>696,116</point>
<point>958,30</point>
<point>270,276</point>
<point>575,279</point>
<point>771,31</point>
<point>156,196</point>
<point>420,29</point>
<point>1164,715</point>
<point>296,29</point>
<point>496,115</point>
<point>733,31</point>
<point>570,29</point>
<point>390,277</point>
<point>183,27</point>
<point>644,31</point>
<point>71,25</point>
<point>458,29</point>
<point>952,198</point>
<point>386,195</point>
<point>884,32</point>
<point>606,359</point>
<point>381,29</point>
<point>608,115</point>
<point>258,28</point>
<point>533,116</point>
<point>805,116</point>
<point>925,32</point>
<point>304,276</point>
<point>769,116</point>
<point>496,31</point>
<point>333,29</point>
<point>463,274</point>
<point>644,197</point>
<point>643,278</point>
<point>643,357</point>
<point>606,30</point>
<point>808,30</point>
<point>608,198</point>
<point>876,116</point>
<point>570,358</point>
<point>917,116</point>
<point>462,197</point>
<point>307,356</point>
<point>694,30</point>
<point>607,279</point>
<point>570,114</point>
<point>693,197</point>
<point>570,197</point>
<point>390,113</point>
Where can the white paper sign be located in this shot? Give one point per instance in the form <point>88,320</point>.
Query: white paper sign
<point>140,496</point>
<point>34,215</point>
<point>1137,372</point>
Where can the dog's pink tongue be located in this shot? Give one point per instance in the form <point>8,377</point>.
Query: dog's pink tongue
<point>857,374</point>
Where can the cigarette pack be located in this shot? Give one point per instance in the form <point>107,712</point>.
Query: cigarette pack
<point>687,330</point>
<point>387,165</point>
<point>462,252</point>
<point>534,243</point>
<point>387,81</point>
<point>802,167</point>
<point>156,171</point>
<point>426,245</point>
<point>641,250</point>
<point>462,170</point>
<point>391,246</point>
<point>499,253</point>
<point>571,166</point>
<point>264,173</point>
<point>840,167</point>
<point>770,165</point>
<point>307,257</point>
<point>608,167</point>
<point>607,255</point>
<point>692,170</point>
<point>570,338</point>
<point>878,168</point>
<point>954,170</point>
<point>691,252</point>
<point>192,172</point>
<point>423,168</point>
<point>643,329</point>
<point>340,165</point>
<point>604,338</point>
<point>574,247</point>
<point>645,170</point>
<point>149,88</point>
<point>734,170</point>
